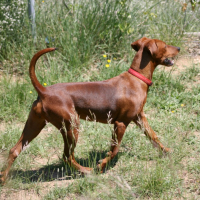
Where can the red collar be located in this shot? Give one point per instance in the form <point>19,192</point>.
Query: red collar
<point>140,76</point>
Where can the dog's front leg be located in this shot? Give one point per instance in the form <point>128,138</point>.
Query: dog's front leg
<point>142,122</point>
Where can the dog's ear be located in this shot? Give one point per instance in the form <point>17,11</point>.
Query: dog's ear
<point>152,47</point>
<point>138,44</point>
<point>135,46</point>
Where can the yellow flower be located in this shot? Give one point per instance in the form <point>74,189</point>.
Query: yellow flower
<point>182,105</point>
<point>45,84</point>
<point>108,61</point>
<point>107,65</point>
<point>153,15</point>
<point>42,1</point>
<point>130,30</point>
<point>173,111</point>
<point>104,55</point>
<point>30,92</point>
<point>115,58</point>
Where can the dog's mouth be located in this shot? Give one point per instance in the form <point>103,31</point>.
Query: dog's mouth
<point>169,61</point>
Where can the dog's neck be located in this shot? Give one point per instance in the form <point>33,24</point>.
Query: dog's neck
<point>144,64</point>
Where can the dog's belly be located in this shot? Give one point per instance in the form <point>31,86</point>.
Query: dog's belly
<point>102,115</point>
<point>108,111</point>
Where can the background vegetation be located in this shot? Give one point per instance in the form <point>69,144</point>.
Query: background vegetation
<point>84,31</point>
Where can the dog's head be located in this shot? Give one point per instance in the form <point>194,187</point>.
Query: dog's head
<point>161,53</point>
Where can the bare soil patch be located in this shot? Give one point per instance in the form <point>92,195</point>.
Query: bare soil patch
<point>191,58</point>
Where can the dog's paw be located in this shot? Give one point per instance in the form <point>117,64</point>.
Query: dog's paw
<point>86,170</point>
<point>2,179</point>
<point>165,152</point>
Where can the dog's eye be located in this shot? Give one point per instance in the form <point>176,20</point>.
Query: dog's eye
<point>165,46</point>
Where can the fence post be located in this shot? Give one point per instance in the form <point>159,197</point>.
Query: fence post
<point>31,15</point>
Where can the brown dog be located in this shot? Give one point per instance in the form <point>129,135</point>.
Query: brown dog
<point>123,97</point>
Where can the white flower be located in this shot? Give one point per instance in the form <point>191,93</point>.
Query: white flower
<point>11,17</point>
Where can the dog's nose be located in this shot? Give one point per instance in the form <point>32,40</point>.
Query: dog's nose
<point>178,48</point>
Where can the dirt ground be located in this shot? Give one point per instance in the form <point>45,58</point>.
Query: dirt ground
<point>192,57</point>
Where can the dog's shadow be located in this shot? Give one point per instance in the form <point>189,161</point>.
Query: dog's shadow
<point>62,171</point>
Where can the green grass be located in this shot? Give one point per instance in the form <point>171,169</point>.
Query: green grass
<point>138,171</point>
<point>83,34</point>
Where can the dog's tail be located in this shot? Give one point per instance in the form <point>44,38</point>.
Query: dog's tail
<point>38,87</point>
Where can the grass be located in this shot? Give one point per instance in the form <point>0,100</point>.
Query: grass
<point>138,171</point>
<point>83,33</point>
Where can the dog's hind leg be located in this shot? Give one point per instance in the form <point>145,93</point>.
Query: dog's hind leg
<point>119,130</point>
<point>33,126</point>
<point>142,122</point>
